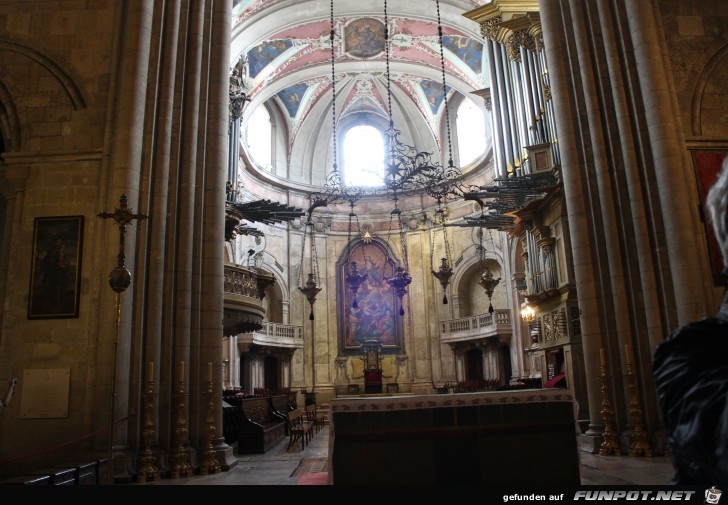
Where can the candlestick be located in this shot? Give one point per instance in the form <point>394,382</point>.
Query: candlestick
<point>628,353</point>
<point>150,371</point>
<point>209,372</point>
<point>603,357</point>
<point>181,371</point>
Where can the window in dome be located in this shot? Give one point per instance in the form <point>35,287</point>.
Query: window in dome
<point>259,138</point>
<point>470,126</point>
<point>363,156</point>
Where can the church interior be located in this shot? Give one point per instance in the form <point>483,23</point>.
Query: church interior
<point>216,213</point>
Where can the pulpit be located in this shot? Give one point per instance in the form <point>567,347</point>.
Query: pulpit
<point>372,368</point>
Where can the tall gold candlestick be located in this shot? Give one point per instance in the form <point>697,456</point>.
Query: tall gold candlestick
<point>209,459</point>
<point>148,469</point>
<point>640,443</point>
<point>181,467</point>
<point>610,444</point>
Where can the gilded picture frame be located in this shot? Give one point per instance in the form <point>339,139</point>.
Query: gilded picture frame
<point>375,316</point>
<point>55,271</point>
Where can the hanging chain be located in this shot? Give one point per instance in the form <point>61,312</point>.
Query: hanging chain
<point>481,251</point>
<point>303,250</point>
<point>386,57</point>
<point>402,238</point>
<point>444,85</point>
<point>314,258</point>
<point>432,247</point>
<point>444,236</point>
<point>389,231</point>
<point>348,237</point>
<point>333,86</point>
<point>363,244</point>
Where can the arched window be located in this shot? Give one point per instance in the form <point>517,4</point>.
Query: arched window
<point>363,156</point>
<point>470,126</point>
<point>259,138</point>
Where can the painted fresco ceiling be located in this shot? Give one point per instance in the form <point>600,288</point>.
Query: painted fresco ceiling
<point>287,47</point>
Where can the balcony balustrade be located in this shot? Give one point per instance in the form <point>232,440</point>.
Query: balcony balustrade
<point>497,325</point>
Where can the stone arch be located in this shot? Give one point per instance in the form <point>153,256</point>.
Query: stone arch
<point>63,79</point>
<point>708,70</point>
<point>278,295</point>
<point>468,272</point>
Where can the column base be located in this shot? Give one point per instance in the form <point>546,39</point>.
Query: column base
<point>589,443</point>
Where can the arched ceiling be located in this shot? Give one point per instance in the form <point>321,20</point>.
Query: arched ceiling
<point>286,44</point>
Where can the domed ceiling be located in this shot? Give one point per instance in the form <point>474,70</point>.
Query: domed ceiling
<point>287,47</point>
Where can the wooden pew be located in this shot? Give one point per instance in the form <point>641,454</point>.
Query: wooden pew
<point>259,427</point>
<point>279,404</point>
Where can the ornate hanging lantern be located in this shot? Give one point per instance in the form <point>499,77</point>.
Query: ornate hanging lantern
<point>400,278</point>
<point>354,278</point>
<point>486,276</point>
<point>445,272</point>
<point>310,289</point>
<point>489,284</point>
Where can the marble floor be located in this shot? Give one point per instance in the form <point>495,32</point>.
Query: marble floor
<point>281,467</point>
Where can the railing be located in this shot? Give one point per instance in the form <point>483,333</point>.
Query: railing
<point>274,335</point>
<point>477,327</point>
<point>278,330</point>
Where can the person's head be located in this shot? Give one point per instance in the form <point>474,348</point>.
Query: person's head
<point>717,204</point>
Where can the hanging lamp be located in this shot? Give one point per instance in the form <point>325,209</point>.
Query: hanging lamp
<point>311,288</point>
<point>444,273</point>
<point>486,276</point>
<point>354,278</point>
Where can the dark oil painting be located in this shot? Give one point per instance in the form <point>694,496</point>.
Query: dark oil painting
<point>55,272</point>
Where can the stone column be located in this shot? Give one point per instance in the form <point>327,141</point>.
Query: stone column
<point>121,176</point>
<point>567,121</point>
<point>212,265</point>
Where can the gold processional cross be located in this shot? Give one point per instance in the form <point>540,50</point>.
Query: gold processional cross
<point>120,277</point>
<point>119,280</point>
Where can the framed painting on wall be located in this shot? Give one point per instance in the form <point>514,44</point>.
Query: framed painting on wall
<point>707,164</point>
<point>375,315</point>
<point>55,271</point>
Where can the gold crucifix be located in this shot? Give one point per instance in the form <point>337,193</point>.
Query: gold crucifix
<point>120,278</point>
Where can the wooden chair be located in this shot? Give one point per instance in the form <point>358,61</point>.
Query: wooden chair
<point>298,429</point>
<point>313,417</point>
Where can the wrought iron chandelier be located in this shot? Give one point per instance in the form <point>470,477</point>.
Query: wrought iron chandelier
<point>407,171</point>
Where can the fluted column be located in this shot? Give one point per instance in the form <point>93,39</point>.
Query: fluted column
<point>158,195</point>
<point>121,175</point>
<point>599,150</point>
<point>191,241</point>
<point>677,202</point>
<point>216,151</point>
<point>575,186</point>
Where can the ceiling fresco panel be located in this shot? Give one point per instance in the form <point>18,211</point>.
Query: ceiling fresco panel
<point>263,54</point>
<point>364,38</point>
